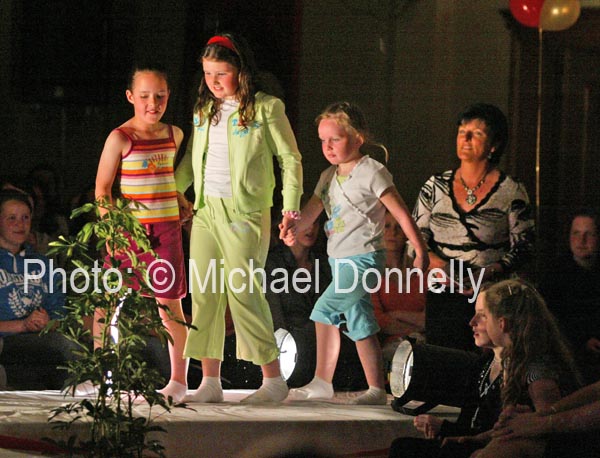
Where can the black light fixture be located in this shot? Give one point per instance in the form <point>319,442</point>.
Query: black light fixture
<point>423,376</point>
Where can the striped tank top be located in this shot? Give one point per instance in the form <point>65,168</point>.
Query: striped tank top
<point>146,175</point>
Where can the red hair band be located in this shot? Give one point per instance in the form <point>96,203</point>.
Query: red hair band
<point>222,41</point>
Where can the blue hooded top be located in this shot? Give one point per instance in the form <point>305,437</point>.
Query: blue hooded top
<point>25,284</point>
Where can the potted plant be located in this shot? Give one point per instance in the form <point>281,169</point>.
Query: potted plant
<point>115,367</point>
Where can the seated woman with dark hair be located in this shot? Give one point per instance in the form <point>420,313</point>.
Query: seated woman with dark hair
<point>29,299</point>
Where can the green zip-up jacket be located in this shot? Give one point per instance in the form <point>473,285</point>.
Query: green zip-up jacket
<point>251,152</point>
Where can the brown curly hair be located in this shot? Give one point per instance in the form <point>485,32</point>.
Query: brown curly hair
<point>533,331</point>
<point>243,60</point>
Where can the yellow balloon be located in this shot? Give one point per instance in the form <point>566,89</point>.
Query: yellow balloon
<point>559,15</point>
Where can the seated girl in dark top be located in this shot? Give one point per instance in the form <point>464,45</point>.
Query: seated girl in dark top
<point>476,417</point>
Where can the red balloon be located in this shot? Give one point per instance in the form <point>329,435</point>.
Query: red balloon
<point>527,12</point>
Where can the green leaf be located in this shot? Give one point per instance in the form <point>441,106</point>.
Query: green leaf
<point>115,428</point>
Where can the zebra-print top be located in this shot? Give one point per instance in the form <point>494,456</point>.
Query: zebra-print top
<point>500,228</point>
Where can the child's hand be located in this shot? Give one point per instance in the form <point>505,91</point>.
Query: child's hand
<point>287,231</point>
<point>37,320</point>
<point>289,240</point>
<point>422,262</point>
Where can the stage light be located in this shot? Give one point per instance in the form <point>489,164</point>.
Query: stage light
<point>288,352</point>
<point>423,376</point>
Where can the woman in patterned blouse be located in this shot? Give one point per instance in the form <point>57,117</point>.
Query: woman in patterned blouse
<point>474,217</point>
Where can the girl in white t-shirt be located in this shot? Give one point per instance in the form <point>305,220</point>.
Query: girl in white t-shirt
<point>355,192</point>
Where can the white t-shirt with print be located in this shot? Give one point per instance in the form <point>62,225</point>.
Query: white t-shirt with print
<point>355,214</point>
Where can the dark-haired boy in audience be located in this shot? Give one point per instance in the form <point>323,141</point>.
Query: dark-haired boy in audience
<point>29,299</point>
<point>572,290</point>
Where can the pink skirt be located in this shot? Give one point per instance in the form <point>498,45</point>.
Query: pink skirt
<point>165,274</point>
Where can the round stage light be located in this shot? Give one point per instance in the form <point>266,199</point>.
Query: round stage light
<point>401,369</point>
<point>288,352</point>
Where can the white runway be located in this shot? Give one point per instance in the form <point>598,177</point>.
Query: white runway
<point>231,429</point>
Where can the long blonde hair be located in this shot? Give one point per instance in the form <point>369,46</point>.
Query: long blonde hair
<point>351,118</point>
<point>534,335</point>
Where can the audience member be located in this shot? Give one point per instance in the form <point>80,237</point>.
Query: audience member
<point>538,367</point>
<point>475,214</point>
<point>29,299</point>
<point>572,290</point>
<point>476,417</point>
<point>399,306</point>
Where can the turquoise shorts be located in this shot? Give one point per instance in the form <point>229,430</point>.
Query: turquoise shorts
<point>346,303</point>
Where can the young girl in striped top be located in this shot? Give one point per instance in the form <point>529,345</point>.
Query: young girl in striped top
<point>139,156</point>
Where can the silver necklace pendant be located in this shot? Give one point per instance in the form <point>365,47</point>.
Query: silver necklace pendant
<point>471,197</point>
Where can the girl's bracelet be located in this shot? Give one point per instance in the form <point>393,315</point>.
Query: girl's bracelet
<point>291,214</point>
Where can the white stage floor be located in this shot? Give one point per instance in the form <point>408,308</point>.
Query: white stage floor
<point>231,429</point>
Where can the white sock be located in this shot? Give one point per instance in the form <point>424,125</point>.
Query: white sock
<point>316,389</point>
<point>175,390</point>
<point>273,389</point>
<point>373,396</point>
<point>209,391</point>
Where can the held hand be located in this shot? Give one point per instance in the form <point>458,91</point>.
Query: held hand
<point>429,425</point>
<point>289,239</point>
<point>287,231</point>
